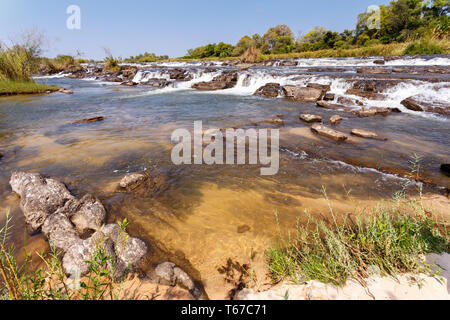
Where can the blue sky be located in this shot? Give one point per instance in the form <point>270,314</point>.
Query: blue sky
<point>167,27</point>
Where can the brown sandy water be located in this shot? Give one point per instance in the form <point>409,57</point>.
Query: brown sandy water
<point>208,214</point>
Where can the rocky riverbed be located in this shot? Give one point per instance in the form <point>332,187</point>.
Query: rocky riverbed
<point>360,128</point>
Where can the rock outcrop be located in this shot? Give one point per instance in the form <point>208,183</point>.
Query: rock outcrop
<point>270,90</point>
<point>302,94</point>
<point>372,111</point>
<point>364,134</point>
<point>414,105</point>
<point>331,106</point>
<point>310,118</point>
<point>174,275</point>
<point>224,81</point>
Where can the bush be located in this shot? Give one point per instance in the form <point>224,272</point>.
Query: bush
<point>424,46</point>
<point>251,55</point>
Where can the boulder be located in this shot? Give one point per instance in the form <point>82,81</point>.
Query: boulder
<point>288,63</point>
<point>323,87</point>
<point>171,273</point>
<point>374,70</point>
<point>379,62</point>
<point>129,83</point>
<point>324,131</point>
<point>180,75</point>
<point>89,214</point>
<point>60,231</point>
<point>65,91</point>
<point>129,72</point>
<point>145,183</point>
<point>270,90</point>
<point>40,197</point>
<point>224,81</point>
<point>377,86</point>
<point>364,134</point>
<point>372,111</point>
<point>334,120</point>
<point>302,94</point>
<point>412,104</point>
<point>276,121</point>
<point>309,118</point>
<point>349,101</point>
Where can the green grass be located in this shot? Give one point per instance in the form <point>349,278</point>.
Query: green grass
<point>389,240</point>
<point>8,88</point>
<point>425,46</point>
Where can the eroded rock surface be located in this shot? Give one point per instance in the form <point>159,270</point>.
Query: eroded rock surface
<point>302,94</point>
<point>270,90</point>
<point>324,131</point>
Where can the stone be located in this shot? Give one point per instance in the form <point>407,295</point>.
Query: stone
<point>132,180</point>
<point>129,83</point>
<point>145,183</point>
<point>40,197</point>
<point>324,131</point>
<point>302,94</point>
<point>310,118</point>
<point>276,121</point>
<point>334,120</point>
<point>90,120</point>
<point>90,214</point>
<point>379,62</point>
<point>374,70</point>
<point>173,274</point>
<point>60,231</point>
<point>270,90</point>
<point>331,106</point>
<point>65,91</point>
<point>224,81</point>
<point>414,105</point>
<point>365,94</point>
<point>364,133</point>
<point>372,111</point>
<point>323,87</point>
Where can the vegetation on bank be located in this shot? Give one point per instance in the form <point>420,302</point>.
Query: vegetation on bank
<point>402,21</point>
<point>389,240</point>
<point>8,88</point>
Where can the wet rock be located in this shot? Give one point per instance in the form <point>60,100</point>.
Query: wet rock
<point>129,84</point>
<point>180,75</point>
<point>130,253</point>
<point>414,105</point>
<point>372,111</point>
<point>310,118</point>
<point>90,120</point>
<point>157,83</point>
<point>329,97</point>
<point>65,91</point>
<point>40,197</point>
<point>145,183</point>
<point>331,106</point>
<point>323,87</point>
<point>174,275</point>
<point>376,86</point>
<point>243,229</point>
<point>364,133</point>
<point>445,168</point>
<point>129,72</point>
<point>328,133</point>
<point>379,62</point>
<point>224,81</point>
<point>276,121</point>
<point>302,94</point>
<point>270,90</point>
<point>348,101</point>
<point>89,214</point>
<point>334,120</point>
<point>374,70</point>
<point>365,94</point>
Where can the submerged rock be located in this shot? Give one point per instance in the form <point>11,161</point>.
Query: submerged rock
<point>129,83</point>
<point>302,94</point>
<point>270,90</point>
<point>364,133</point>
<point>374,70</point>
<point>145,183</point>
<point>414,105</point>
<point>365,94</point>
<point>331,106</point>
<point>324,131</point>
<point>90,120</point>
<point>329,97</point>
<point>174,275</point>
<point>276,121</point>
<point>379,62</point>
<point>65,91</point>
<point>310,118</point>
<point>334,120</point>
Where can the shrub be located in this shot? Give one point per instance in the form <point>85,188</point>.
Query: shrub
<point>424,46</point>
<point>251,55</point>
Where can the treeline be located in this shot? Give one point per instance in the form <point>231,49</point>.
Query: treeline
<point>400,21</point>
<point>146,57</point>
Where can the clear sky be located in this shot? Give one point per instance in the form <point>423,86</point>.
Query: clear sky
<point>168,26</point>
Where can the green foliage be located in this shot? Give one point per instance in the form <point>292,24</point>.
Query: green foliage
<point>390,240</point>
<point>424,46</point>
<point>146,57</point>
<point>8,87</point>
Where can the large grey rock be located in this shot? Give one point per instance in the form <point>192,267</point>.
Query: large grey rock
<point>372,111</point>
<point>90,214</point>
<point>302,94</point>
<point>174,275</point>
<point>60,231</point>
<point>270,90</point>
<point>224,81</point>
<point>40,197</point>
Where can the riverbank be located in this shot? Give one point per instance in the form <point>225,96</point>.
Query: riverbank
<point>11,88</point>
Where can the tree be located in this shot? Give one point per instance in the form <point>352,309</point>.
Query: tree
<point>223,50</point>
<point>278,39</point>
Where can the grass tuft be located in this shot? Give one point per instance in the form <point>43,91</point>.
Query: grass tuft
<point>390,240</point>
<point>8,87</point>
